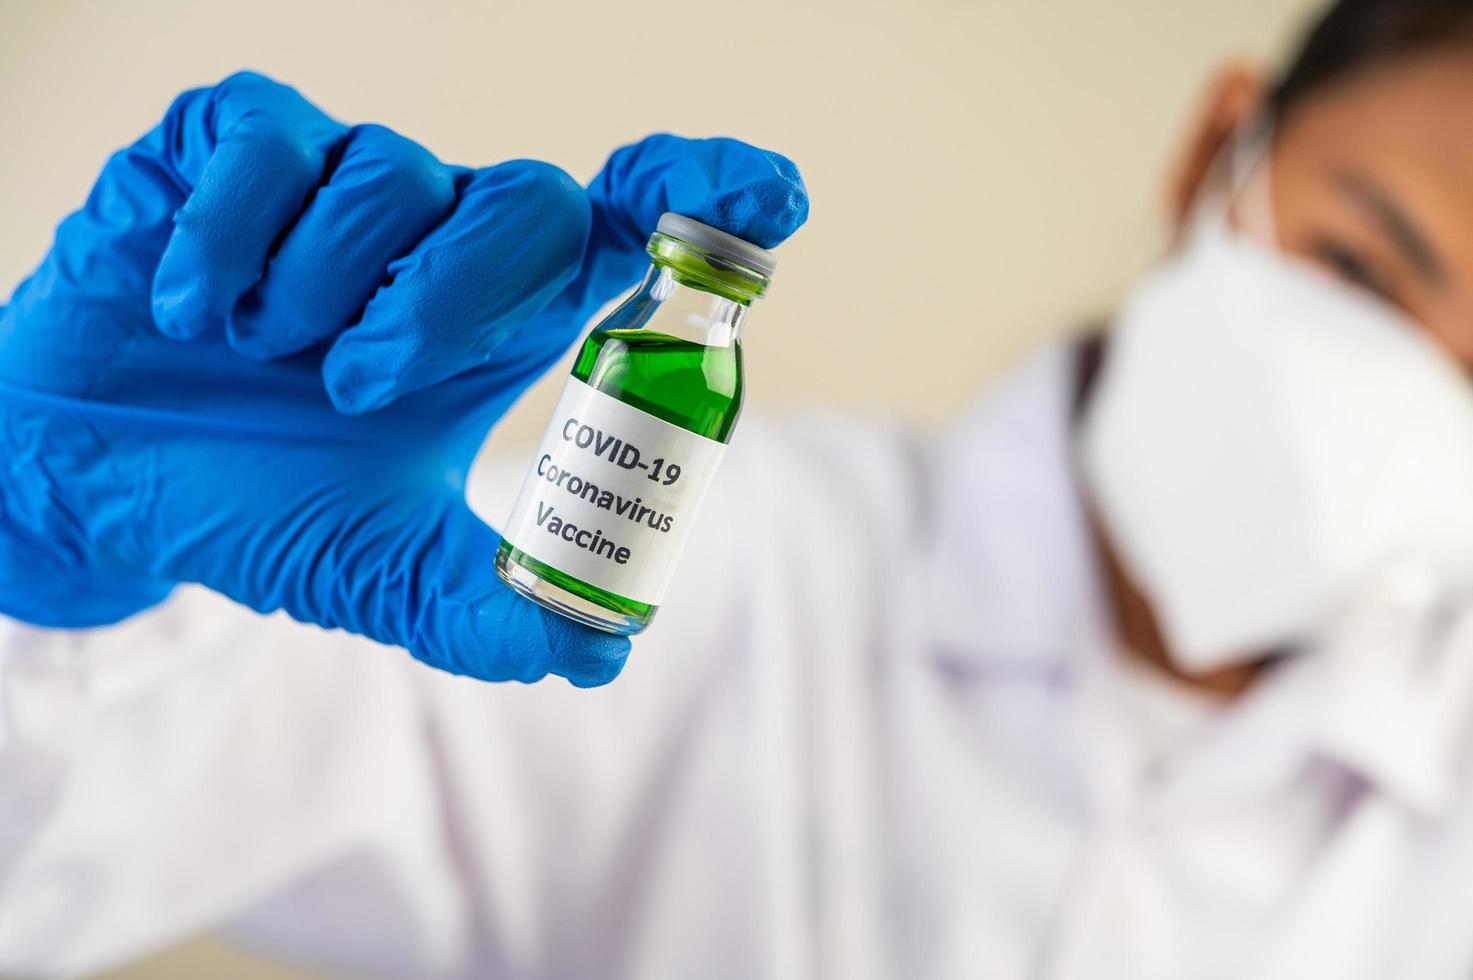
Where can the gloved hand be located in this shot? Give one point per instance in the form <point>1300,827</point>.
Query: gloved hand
<point>264,353</point>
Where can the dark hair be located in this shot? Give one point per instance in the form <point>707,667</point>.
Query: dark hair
<point>1355,34</point>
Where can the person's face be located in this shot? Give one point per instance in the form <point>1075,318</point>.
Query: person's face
<point>1372,178</point>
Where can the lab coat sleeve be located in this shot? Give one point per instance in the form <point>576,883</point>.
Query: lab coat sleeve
<point>159,776</point>
<point>200,765</point>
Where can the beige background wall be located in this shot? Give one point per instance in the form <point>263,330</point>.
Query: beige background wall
<point>983,173</point>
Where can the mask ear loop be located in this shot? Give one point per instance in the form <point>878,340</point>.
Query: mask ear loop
<point>1239,178</point>
<point>1250,179</point>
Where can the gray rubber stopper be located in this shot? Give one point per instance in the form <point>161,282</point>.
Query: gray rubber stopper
<point>726,246</point>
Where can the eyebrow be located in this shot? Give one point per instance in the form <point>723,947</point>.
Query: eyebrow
<point>1396,223</point>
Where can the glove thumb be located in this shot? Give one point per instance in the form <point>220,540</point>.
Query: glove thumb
<point>463,618</point>
<point>411,573</point>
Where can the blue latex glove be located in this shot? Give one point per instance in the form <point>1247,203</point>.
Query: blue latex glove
<point>264,353</point>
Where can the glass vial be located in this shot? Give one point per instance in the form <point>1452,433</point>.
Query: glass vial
<point>637,435</point>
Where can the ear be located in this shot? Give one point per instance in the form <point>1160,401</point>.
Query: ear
<point>1235,95</point>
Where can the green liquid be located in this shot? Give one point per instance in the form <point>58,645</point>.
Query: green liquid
<point>696,387</point>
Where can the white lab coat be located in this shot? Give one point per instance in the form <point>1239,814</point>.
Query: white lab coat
<point>879,730</point>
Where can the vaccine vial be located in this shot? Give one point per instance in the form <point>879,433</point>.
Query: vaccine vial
<point>637,435</point>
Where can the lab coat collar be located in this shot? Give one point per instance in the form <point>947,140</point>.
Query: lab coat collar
<point>1394,679</point>
<point>1015,584</point>
<point>1384,699</point>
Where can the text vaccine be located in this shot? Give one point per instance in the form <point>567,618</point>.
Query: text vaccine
<point>637,434</point>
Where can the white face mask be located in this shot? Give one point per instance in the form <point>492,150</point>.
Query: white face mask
<point>1263,440</point>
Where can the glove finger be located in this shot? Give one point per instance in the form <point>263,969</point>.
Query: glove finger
<point>267,149</point>
<point>384,194</point>
<point>515,241</point>
<point>741,189</point>
<point>110,248</point>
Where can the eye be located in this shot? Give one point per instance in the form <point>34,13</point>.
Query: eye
<point>1354,266</point>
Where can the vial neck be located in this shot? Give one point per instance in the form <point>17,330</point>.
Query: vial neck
<point>691,313</point>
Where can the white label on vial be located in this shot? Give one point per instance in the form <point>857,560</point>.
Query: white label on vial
<point>611,494</point>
